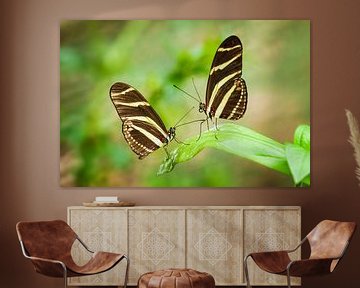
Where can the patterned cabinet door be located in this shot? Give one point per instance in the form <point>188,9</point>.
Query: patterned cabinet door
<point>214,244</point>
<point>156,240</point>
<point>101,230</point>
<point>267,230</point>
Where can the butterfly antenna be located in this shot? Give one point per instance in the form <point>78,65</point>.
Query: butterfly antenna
<point>199,120</point>
<point>176,125</point>
<point>197,92</point>
<point>180,142</point>
<point>188,94</point>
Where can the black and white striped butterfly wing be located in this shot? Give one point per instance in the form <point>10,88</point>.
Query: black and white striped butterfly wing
<point>142,127</point>
<point>226,92</point>
<point>140,140</point>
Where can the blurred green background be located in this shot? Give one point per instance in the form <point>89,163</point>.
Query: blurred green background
<point>154,55</point>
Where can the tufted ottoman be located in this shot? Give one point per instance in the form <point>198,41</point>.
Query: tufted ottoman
<point>176,278</point>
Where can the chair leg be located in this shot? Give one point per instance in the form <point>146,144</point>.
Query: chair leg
<point>288,278</point>
<point>127,271</point>
<point>246,272</point>
<point>65,275</point>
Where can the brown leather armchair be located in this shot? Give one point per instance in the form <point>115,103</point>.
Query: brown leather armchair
<point>328,242</point>
<point>48,245</point>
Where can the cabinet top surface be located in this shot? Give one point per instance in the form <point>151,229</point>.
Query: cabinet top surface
<point>192,207</point>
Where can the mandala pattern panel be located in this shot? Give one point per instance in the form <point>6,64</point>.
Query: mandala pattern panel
<point>157,241</point>
<point>101,230</point>
<point>269,230</point>
<point>214,244</point>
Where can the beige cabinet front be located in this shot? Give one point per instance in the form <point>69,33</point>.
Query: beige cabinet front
<point>269,230</point>
<point>100,230</point>
<point>214,241</point>
<point>208,239</point>
<point>156,240</point>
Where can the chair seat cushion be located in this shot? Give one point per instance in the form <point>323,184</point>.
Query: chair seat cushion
<point>99,262</point>
<point>272,262</point>
<point>176,278</point>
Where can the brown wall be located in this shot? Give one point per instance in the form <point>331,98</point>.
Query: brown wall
<point>30,119</point>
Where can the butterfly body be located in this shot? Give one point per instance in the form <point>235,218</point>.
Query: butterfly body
<point>226,92</point>
<point>142,127</point>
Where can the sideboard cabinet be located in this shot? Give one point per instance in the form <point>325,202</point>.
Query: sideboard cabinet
<point>211,239</point>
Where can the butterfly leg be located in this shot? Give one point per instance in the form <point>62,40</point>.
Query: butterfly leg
<point>167,153</point>
<point>201,123</point>
<point>216,124</point>
<point>180,142</point>
<point>216,129</point>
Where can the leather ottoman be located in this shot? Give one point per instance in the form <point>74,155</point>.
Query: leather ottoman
<point>176,278</point>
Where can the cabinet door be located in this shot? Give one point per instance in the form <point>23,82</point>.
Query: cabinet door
<point>214,244</point>
<point>101,230</point>
<point>269,230</point>
<point>156,240</point>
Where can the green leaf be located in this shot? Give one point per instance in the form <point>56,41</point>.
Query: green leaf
<point>298,155</point>
<point>235,139</point>
<point>302,136</point>
<point>299,162</point>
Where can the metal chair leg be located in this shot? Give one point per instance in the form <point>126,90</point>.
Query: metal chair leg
<point>246,272</point>
<point>65,275</point>
<point>288,278</point>
<point>127,271</point>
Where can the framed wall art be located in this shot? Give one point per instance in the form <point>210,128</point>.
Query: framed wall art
<point>185,103</point>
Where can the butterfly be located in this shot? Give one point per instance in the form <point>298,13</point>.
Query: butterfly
<point>226,92</point>
<point>142,127</point>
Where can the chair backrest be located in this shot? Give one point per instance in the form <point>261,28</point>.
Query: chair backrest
<point>46,239</point>
<point>329,239</point>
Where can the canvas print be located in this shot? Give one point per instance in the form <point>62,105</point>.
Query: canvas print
<point>185,103</point>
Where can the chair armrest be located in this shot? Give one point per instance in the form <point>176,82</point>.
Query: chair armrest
<point>282,251</point>
<point>46,260</point>
<point>268,253</point>
<point>49,267</point>
<point>298,246</point>
<point>309,267</point>
<point>271,261</point>
<point>84,245</point>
